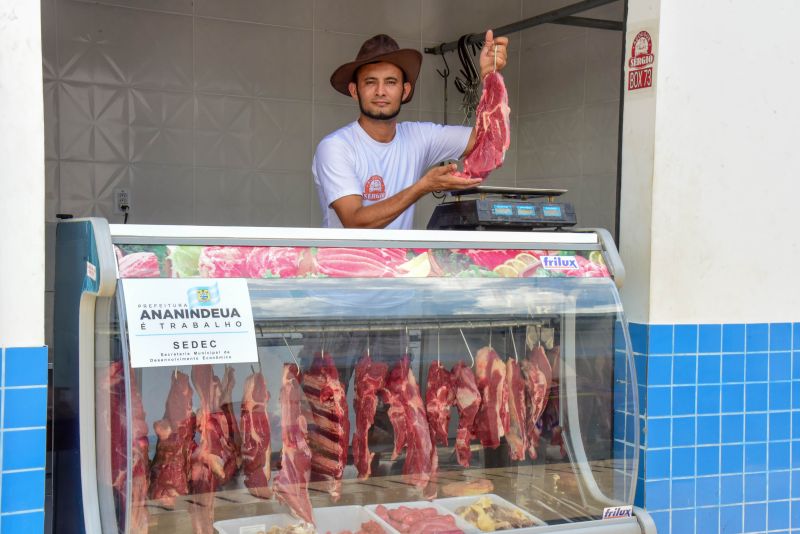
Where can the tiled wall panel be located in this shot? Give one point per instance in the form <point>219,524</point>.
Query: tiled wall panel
<point>23,405</point>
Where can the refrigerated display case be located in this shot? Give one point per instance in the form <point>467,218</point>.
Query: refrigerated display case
<point>359,380</point>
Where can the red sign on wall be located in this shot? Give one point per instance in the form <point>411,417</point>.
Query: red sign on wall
<point>640,63</point>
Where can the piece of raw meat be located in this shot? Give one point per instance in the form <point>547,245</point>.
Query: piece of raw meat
<point>537,374</point>
<point>439,398</point>
<point>291,482</point>
<point>329,433</point>
<point>516,436</point>
<point>468,403</point>
<point>256,448</point>
<point>402,392</point>
<point>492,421</point>
<point>418,520</point>
<point>113,386</point>
<point>169,472</point>
<point>211,461</point>
<point>232,426</point>
<point>370,377</point>
<point>493,135</point>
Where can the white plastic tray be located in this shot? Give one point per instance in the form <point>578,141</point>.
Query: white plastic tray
<point>333,519</point>
<point>451,504</point>
<point>460,523</point>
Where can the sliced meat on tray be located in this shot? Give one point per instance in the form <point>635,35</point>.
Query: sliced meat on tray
<point>256,447</point>
<point>439,398</point>
<point>492,421</point>
<point>493,135</point>
<point>169,472</point>
<point>329,433</point>
<point>538,375</point>
<point>516,436</point>
<point>414,520</point>
<point>402,394</point>
<point>468,403</point>
<point>370,377</point>
<point>291,482</point>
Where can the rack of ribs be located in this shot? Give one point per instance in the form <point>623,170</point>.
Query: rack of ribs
<point>169,473</point>
<point>402,392</point>
<point>468,402</point>
<point>538,375</point>
<point>291,482</point>
<point>516,436</point>
<point>256,448</point>
<point>370,377</point>
<point>439,398</point>
<point>493,419</point>
<point>234,436</point>
<point>329,435</point>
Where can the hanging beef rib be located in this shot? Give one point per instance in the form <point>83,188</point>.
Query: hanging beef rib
<point>468,402</point>
<point>256,448</point>
<point>538,375</point>
<point>492,421</point>
<point>516,436</point>
<point>439,398</point>
<point>493,135</point>
<point>370,377</point>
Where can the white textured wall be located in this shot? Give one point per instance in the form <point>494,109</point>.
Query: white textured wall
<point>727,165</point>
<point>22,176</point>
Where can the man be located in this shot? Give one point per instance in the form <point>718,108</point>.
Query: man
<point>370,173</point>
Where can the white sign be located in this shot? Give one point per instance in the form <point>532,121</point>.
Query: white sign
<point>189,321</point>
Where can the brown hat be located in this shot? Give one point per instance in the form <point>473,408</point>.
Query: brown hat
<point>376,49</point>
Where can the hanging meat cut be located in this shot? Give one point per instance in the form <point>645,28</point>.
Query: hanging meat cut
<point>370,377</point>
<point>234,436</point>
<point>211,461</point>
<point>291,482</point>
<point>493,135</point>
<point>256,448</point>
<point>468,403</point>
<point>439,398</point>
<point>402,394</point>
<point>493,419</point>
<point>538,374</point>
<point>169,472</point>
<point>113,386</point>
<point>329,433</point>
<point>516,436</point>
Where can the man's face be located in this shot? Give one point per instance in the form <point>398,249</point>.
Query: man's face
<point>380,90</point>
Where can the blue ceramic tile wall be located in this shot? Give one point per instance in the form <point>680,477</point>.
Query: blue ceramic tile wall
<point>23,417</point>
<point>721,413</point>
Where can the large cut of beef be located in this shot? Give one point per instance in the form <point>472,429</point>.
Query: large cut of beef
<point>402,393</point>
<point>113,385</point>
<point>439,398</point>
<point>493,135</point>
<point>493,419</point>
<point>169,472</point>
<point>329,433</point>
<point>370,377</point>
<point>214,460</point>
<point>468,402</point>
<point>537,374</point>
<point>516,436</point>
<point>234,436</point>
<point>291,482</point>
<point>256,449</point>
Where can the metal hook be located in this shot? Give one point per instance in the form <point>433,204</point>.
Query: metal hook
<point>514,344</point>
<point>471,357</point>
<point>369,328</point>
<point>438,344</point>
<point>490,336</point>
<point>290,352</point>
<point>406,339</point>
<point>445,75</point>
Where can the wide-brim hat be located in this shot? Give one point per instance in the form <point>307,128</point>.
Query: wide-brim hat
<point>374,50</point>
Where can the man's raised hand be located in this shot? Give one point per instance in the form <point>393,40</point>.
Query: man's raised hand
<point>441,178</point>
<point>492,46</point>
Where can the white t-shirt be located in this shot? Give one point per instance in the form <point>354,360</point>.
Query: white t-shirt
<point>350,162</point>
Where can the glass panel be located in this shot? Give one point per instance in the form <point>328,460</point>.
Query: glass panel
<point>408,389</point>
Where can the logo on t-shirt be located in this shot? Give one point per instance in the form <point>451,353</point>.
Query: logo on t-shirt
<point>374,189</point>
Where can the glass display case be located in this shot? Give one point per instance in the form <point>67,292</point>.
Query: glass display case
<point>245,380</point>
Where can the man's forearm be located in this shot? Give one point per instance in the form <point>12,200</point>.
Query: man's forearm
<point>382,213</point>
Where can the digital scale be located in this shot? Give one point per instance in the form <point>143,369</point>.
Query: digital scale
<point>502,208</point>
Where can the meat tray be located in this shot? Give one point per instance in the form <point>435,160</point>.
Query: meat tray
<point>333,519</point>
<point>451,504</point>
<point>460,523</point>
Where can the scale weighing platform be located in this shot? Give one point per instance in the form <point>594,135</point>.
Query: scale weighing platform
<point>502,208</point>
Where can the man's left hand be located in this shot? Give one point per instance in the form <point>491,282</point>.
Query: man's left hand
<point>493,54</point>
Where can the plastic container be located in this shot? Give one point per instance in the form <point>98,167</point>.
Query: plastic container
<point>333,519</point>
<point>451,504</point>
<point>460,523</point>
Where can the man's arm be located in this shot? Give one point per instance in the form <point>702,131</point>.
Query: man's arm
<point>489,64</point>
<point>353,214</point>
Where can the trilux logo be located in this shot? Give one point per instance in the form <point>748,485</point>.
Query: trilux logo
<point>617,511</point>
<point>559,263</point>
